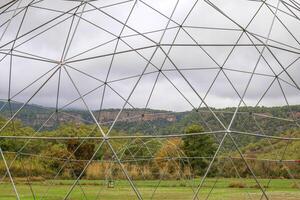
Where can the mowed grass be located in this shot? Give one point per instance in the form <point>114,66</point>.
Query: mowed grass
<point>224,189</point>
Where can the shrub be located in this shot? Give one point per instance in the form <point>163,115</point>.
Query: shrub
<point>237,184</point>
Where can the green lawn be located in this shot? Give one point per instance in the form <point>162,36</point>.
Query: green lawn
<point>176,189</point>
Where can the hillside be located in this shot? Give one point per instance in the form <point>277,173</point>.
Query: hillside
<point>269,157</point>
<point>35,115</point>
<point>269,120</point>
<point>276,149</point>
<point>263,155</point>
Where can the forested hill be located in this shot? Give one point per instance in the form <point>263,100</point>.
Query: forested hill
<point>264,155</point>
<point>270,120</point>
<point>269,157</point>
<point>276,149</point>
<point>35,115</point>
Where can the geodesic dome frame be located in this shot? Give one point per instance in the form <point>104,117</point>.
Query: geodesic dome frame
<point>141,54</point>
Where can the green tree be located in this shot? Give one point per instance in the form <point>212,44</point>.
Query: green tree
<point>198,148</point>
<point>81,151</point>
<point>54,157</point>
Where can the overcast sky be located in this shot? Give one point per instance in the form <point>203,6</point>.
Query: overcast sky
<point>193,62</point>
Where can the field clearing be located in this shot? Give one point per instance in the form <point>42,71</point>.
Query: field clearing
<point>227,189</point>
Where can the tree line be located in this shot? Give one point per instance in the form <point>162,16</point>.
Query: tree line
<point>143,158</point>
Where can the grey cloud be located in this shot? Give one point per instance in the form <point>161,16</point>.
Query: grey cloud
<point>143,19</point>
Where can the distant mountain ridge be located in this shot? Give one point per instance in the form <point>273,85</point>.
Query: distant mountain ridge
<point>35,115</point>
<point>272,120</point>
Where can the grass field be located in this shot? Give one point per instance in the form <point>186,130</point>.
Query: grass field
<point>225,189</point>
